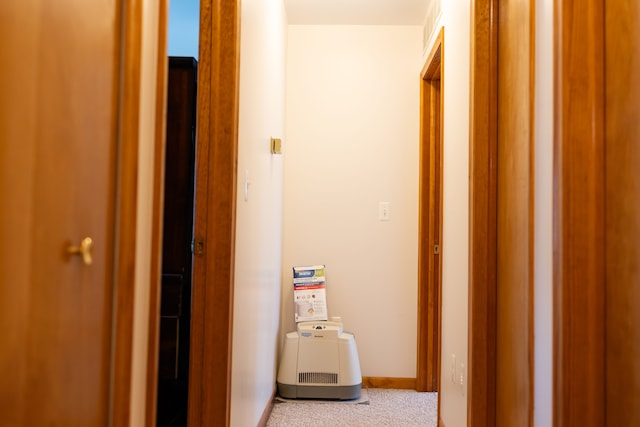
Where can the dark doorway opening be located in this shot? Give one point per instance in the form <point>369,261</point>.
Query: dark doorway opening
<point>175,306</point>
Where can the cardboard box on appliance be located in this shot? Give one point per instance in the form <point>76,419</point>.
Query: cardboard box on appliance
<point>309,293</point>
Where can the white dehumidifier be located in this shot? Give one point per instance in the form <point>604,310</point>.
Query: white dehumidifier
<point>319,361</point>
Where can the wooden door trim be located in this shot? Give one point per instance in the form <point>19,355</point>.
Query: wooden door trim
<point>127,200</point>
<point>515,195</point>
<point>157,215</point>
<point>481,398</point>
<point>430,224</point>
<point>622,209</point>
<point>578,214</point>
<point>215,211</point>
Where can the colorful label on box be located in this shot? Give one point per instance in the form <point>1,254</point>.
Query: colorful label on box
<point>309,293</point>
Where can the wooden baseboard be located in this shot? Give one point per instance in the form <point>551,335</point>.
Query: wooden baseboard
<point>440,422</point>
<point>387,382</point>
<point>267,411</point>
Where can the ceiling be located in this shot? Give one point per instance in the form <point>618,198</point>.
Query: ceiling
<point>356,12</point>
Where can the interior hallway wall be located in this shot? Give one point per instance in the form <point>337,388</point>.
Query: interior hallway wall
<point>455,245</point>
<point>256,316</point>
<point>352,141</point>
<point>543,237</point>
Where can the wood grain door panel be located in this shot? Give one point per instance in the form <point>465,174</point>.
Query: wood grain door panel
<point>215,210</point>
<point>579,215</point>
<point>59,145</point>
<point>622,224</point>
<point>597,206</point>
<point>514,216</point>
<point>481,400</point>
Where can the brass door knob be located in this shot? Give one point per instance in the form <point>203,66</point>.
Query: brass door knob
<point>84,250</point>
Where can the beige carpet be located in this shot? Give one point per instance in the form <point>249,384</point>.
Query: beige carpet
<point>383,407</point>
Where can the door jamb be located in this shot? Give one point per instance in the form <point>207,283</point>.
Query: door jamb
<point>127,199</point>
<point>482,315</point>
<point>157,215</point>
<point>215,214</point>
<point>430,218</point>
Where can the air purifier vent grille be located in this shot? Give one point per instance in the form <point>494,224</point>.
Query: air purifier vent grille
<point>317,378</point>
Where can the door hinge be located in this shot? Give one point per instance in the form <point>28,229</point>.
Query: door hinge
<point>197,246</point>
<point>436,249</point>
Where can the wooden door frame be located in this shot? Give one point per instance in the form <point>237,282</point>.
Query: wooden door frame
<point>483,156</point>
<point>215,207</point>
<point>127,213</point>
<point>430,218</point>
<point>515,218</point>
<point>578,215</point>
<point>127,200</point>
<point>155,278</point>
<point>215,214</point>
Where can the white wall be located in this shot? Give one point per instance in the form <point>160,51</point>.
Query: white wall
<point>259,218</point>
<point>352,141</point>
<point>543,239</point>
<point>455,245</point>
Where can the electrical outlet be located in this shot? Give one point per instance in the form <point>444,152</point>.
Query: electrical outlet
<point>246,185</point>
<point>383,211</point>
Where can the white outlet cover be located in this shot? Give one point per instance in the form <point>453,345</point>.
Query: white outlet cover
<point>383,211</point>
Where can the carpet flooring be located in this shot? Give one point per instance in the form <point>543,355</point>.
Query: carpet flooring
<point>380,407</point>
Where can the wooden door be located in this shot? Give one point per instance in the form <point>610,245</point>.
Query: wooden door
<point>59,87</point>
<point>597,211</point>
